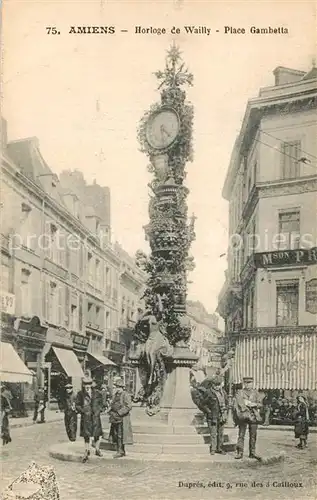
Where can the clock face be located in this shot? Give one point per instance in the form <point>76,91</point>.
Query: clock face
<point>162,129</point>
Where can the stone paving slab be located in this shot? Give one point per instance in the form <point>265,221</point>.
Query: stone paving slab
<point>50,416</point>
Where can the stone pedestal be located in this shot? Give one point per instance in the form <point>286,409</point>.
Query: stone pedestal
<point>179,428</point>
<point>177,405</point>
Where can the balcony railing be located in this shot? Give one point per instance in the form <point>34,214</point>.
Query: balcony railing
<point>276,330</point>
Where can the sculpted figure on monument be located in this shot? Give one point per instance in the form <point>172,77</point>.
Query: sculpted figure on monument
<point>152,350</point>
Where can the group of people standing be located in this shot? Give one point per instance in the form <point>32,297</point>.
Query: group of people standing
<point>211,398</point>
<point>89,403</point>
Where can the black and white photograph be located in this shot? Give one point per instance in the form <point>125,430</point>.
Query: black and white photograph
<point>158,279</point>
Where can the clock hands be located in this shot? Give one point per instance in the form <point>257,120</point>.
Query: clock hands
<point>164,133</point>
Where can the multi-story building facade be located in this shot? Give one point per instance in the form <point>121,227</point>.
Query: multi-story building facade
<point>132,287</point>
<point>60,273</point>
<point>205,335</point>
<point>269,299</point>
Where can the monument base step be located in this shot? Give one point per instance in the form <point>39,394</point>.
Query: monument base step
<point>168,448</point>
<point>173,438</point>
<point>74,452</point>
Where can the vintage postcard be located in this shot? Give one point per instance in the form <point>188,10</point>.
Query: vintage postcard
<point>158,250</point>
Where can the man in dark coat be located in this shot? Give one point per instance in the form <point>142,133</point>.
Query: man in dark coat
<point>5,410</point>
<point>301,427</point>
<point>119,418</point>
<point>70,414</point>
<point>215,407</point>
<point>246,405</point>
<point>89,407</point>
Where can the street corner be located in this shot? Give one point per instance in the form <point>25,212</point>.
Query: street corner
<point>74,452</point>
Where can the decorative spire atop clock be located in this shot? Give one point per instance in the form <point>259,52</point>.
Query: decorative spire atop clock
<point>174,74</point>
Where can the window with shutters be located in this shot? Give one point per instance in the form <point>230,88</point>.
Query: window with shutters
<point>53,303</point>
<point>61,306</point>
<point>26,230</point>
<point>74,313</point>
<point>291,153</point>
<point>91,268</point>
<point>98,275</point>
<point>80,313</point>
<point>98,317</point>
<point>287,298</point>
<point>289,230</point>
<point>90,308</point>
<point>5,272</point>
<point>108,281</point>
<point>81,255</point>
<point>67,309</point>
<point>25,293</point>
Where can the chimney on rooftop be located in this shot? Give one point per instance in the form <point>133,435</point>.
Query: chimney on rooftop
<point>287,75</point>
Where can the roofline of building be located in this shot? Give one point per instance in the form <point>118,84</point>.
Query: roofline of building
<point>255,104</point>
<point>60,210</point>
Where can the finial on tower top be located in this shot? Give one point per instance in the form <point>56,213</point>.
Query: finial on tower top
<point>313,62</point>
<point>174,74</point>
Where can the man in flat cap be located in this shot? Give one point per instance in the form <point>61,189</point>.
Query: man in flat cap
<point>214,404</point>
<point>119,418</point>
<point>246,405</point>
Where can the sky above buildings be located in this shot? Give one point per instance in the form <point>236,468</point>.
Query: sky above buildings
<point>83,96</point>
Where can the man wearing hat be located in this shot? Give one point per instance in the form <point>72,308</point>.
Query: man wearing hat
<point>70,414</point>
<point>214,404</point>
<point>246,405</point>
<point>90,422</point>
<point>119,418</point>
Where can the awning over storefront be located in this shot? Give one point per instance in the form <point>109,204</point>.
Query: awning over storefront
<point>277,361</point>
<point>12,368</point>
<point>69,362</point>
<point>102,360</point>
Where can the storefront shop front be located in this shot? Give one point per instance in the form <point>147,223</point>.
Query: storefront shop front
<point>61,366</point>
<point>100,366</point>
<point>30,337</point>
<point>278,361</point>
<point>12,369</point>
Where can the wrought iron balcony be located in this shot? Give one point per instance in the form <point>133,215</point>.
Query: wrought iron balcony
<point>276,330</point>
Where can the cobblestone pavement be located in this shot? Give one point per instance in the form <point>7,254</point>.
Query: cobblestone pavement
<point>123,479</point>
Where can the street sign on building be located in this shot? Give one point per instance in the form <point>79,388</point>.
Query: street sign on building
<point>7,302</point>
<point>215,348</point>
<point>277,361</point>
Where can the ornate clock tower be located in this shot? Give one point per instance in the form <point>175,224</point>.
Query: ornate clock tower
<point>165,135</point>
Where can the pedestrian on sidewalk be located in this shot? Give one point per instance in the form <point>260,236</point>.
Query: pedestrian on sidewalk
<point>5,410</point>
<point>39,406</point>
<point>267,407</point>
<point>301,427</point>
<point>87,404</point>
<point>119,418</point>
<point>215,408</point>
<point>98,407</point>
<point>70,414</point>
<point>246,405</point>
